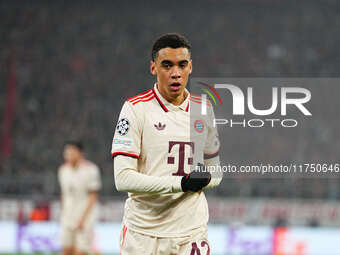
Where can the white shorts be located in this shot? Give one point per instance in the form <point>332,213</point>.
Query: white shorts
<point>80,240</point>
<point>132,243</point>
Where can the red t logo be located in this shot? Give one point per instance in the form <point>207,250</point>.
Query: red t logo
<point>171,160</point>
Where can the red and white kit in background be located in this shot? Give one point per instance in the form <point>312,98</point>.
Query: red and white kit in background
<point>76,183</point>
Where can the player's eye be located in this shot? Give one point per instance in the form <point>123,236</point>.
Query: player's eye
<point>183,64</point>
<point>167,65</point>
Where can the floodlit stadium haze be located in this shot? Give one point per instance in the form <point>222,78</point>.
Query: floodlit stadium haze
<point>66,68</point>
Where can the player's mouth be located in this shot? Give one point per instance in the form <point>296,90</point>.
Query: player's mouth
<point>175,86</point>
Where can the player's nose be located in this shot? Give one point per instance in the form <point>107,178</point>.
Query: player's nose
<point>175,74</point>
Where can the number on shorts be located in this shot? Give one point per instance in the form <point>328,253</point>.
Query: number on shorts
<point>196,251</point>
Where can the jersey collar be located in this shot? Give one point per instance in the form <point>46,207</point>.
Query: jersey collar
<point>167,106</point>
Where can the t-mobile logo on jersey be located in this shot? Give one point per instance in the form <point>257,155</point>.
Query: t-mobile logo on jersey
<point>181,155</point>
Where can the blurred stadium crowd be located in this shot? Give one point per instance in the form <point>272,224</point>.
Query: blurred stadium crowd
<point>75,63</point>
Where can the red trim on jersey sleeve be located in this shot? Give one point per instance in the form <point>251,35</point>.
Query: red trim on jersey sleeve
<point>212,155</point>
<point>198,100</point>
<point>195,95</point>
<point>124,154</point>
<point>141,97</point>
<point>143,100</point>
<point>141,94</point>
<point>159,101</point>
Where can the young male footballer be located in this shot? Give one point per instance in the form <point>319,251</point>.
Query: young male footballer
<point>79,182</point>
<point>154,152</point>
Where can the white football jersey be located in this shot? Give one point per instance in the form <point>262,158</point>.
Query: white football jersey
<point>75,186</point>
<point>161,137</point>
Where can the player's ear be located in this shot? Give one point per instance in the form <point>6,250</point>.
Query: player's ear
<point>190,66</point>
<point>153,67</point>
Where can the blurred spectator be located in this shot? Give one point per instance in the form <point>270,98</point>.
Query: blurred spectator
<point>280,222</point>
<point>40,213</point>
<point>314,223</point>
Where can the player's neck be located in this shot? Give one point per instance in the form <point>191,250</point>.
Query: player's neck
<point>180,99</point>
<point>76,164</point>
<point>177,100</point>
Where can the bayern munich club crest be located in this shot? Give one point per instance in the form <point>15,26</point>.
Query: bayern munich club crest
<point>199,126</point>
<point>123,126</point>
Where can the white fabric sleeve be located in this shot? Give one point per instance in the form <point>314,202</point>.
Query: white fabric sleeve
<point>94,181</point>
<point>212,145</point>
<point>128,132</point>
<point>127,179</point>
<point>211,151</point>
<point>213,166</point>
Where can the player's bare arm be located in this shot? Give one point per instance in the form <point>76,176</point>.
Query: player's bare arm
<point>93,197</point>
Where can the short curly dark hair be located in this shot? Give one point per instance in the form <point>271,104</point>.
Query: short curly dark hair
<point>171,40</point>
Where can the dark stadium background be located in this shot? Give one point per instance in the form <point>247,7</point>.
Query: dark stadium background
<point>67,67</point>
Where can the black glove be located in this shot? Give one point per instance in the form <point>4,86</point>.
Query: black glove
<point>196,180</point>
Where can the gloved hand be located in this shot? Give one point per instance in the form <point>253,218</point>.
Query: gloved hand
<point>196,180</point>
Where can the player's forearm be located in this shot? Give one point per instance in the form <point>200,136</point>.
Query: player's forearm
<point>127,179</point>
<point>131,181</point>
<point>93,197</point>
<point>215,169</point>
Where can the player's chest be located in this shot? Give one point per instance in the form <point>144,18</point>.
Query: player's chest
<point>160,130</point>
<point>73,182</point>
<point>162,126</point>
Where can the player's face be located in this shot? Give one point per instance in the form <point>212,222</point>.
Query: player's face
<point>72,154</point>
<point>172,68</point>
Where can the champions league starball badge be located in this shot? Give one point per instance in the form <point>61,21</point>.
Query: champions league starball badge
<point>123,126</point>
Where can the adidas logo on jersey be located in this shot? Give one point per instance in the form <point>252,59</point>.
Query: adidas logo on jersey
<point>159,126</point>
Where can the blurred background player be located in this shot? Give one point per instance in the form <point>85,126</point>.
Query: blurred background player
<point>80,182</point>
<point>166,212</point>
